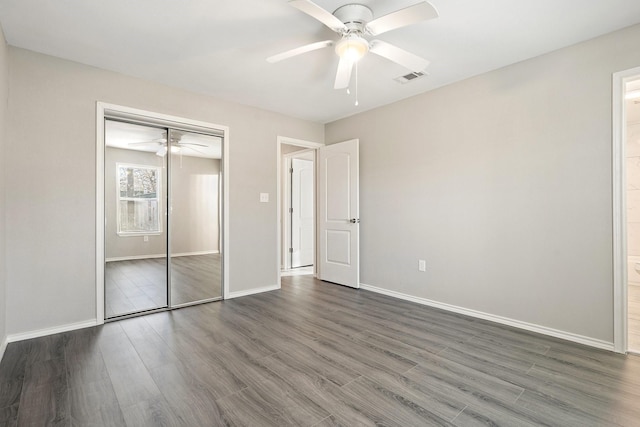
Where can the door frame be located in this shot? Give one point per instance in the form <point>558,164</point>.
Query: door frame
<point>104,110</point>
<point>279,224</point>
<point>619,136</point>
<point>286,205</point>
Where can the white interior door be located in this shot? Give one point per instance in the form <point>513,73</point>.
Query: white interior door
<point>302,241</point>
<point>339,227</point>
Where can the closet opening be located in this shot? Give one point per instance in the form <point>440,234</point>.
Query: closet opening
<point>163,215</point>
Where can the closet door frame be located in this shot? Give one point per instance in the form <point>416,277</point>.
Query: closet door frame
<point>106,111</point>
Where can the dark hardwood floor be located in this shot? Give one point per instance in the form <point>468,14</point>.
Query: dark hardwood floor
<point>136,285</point>
<point>313,354</point>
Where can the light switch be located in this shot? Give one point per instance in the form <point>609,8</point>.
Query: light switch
<point>264,197</point>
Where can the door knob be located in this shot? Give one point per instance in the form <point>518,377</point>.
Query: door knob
<point>354,220</point>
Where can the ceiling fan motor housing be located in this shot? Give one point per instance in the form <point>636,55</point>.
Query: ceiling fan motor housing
<point>354,16</point>
<point>353,45</point>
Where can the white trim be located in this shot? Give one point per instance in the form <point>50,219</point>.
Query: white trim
<point>103,109</point>
<point>135,257</point>
<point>224,174</point>
<point>138,233</point>
<point>253,291</point>
<point>496,319</point>
<point>194,253</point>
<point>300,143</point>
<point>618,120</point>
<point>3,347</point>
<point>50,331</point>
<point>101,219</point>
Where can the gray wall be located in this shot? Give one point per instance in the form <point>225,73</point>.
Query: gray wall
<point>195,205</point>
<point>4,94</point>
<point>51,208</point>
<point>195,208</point>
<point>286,148</point>
<point>502,183</point>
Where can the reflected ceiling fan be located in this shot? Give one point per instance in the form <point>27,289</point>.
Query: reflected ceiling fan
<point>354,23</point>
<point>176,145</point>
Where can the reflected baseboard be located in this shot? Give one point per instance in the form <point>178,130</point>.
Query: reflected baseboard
<point>135,257</point>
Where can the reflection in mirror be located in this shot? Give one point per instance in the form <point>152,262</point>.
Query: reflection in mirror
<point>195,207</point>
<point>135,229</point>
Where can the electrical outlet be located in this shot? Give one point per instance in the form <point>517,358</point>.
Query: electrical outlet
<point>422,265</point>
<point>146,238</point>
<point>264,197</point>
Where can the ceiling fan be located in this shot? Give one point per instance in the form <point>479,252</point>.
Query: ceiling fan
<point>354,23</point>
<point>176,145</point>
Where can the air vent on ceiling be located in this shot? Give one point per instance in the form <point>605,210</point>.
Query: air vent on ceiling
<point>409,77</point>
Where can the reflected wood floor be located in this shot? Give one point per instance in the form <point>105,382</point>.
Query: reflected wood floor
<point>313,354</point>
<point>137,285</point>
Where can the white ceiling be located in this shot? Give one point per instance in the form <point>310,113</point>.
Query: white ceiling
<point>219,47</point>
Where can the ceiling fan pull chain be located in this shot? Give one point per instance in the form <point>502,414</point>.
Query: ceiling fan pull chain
<point>356,83</point>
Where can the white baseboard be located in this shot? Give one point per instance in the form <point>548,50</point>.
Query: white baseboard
<point>252,291</point>
<point>135,257</point>
<point>50,331</point>
<point>581,339</point>
<point>195,253</point>
<point>3,347</point>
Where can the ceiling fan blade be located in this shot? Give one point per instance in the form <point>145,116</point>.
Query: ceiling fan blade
<point>399,56</point>
<point>402,18</point>
<point>299,51</point>
<point>153,141</point>
<point>195,150</point>
<point>195,144</point>
<point>343,76</point>
<point>320,14</point>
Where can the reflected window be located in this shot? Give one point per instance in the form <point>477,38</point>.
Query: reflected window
<point>138,199</point>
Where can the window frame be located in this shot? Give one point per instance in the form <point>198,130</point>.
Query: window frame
<point>120,199</point>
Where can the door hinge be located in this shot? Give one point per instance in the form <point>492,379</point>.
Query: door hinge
<point>290,210</point>
<point>290,250</point>
<point>291,170</point>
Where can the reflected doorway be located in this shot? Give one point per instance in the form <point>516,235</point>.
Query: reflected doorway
<point>163,246</point>
<point>632,192</point>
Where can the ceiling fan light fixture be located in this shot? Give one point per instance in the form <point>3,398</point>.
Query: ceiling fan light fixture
<point>352,48</point>
<point>162,151</point>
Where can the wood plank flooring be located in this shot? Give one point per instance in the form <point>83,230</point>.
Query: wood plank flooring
<point>313,354</point>
<point>137,285</point>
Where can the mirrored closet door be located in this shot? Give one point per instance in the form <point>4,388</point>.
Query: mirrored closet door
<point>194,205</point>
<point>162,218</point>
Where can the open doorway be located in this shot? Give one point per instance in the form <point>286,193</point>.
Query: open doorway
<point>632,194</point>
<point>299,210</point>
<point>297,207</point>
